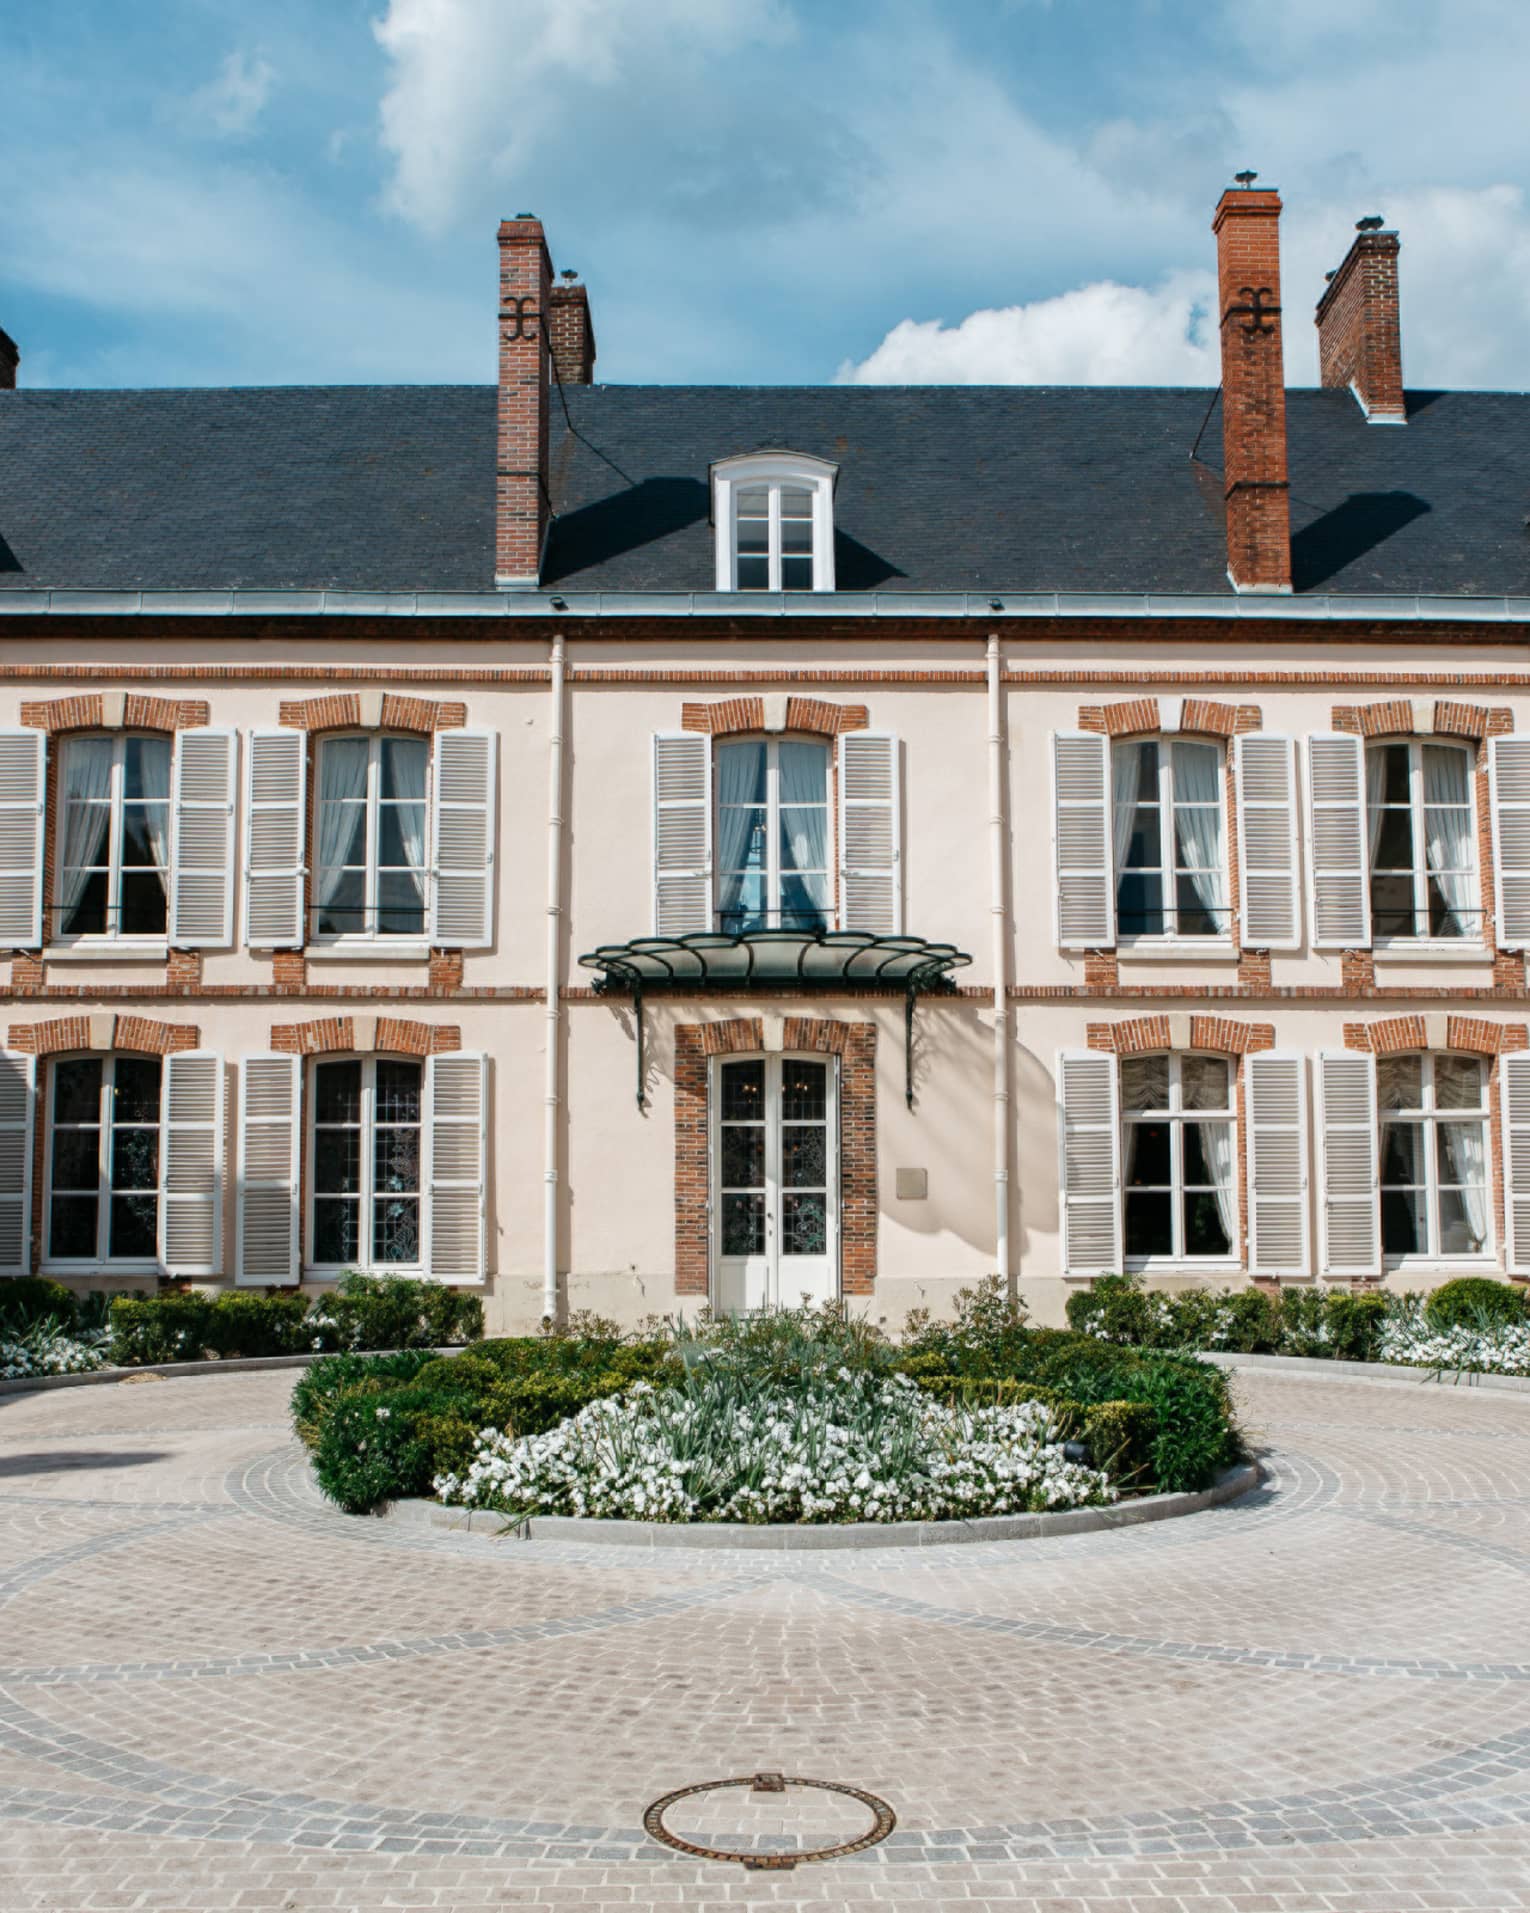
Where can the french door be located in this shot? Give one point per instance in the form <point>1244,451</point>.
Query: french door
<point>775,1181</point>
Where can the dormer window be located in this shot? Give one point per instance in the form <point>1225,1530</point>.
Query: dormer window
<point>774,518</point>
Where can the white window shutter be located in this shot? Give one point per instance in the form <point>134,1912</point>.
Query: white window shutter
<point>462,840</point>
<point>1275,1103</point>
<point>23,779</point>
<point>1089,1126</point>
<point>202,838</point>
<point>191,1164</point>
<point>1269,895</point>
<point>1338,864</point>
<point>456,1116</point>
<point>682,833</point>
<point>270,1110</point>
<point>1514,1074</point>
<point>1349,1212</point>
<point>275,791</point>
<point>18,1102</point>
<point>1509,783</point>
<point>870,834</point>
<point>1084,913</point>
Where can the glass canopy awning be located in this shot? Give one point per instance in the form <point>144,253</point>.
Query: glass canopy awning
<point>830,960</point>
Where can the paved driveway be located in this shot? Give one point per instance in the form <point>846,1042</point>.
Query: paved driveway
<point>217,1693</point>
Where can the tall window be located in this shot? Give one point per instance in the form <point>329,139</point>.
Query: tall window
<point>1171,874</point>
<point>113,839</point>
<point>772,835</point>
<point>1422,830</point>
<point>773,531</point>
<point>370,855</point>
<point>1176,1113</point>
<point>103,1160</point>
<point>1434,1186</point>
<point>364,1163</point>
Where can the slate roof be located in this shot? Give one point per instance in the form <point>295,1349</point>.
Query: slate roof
<point>941,488</point>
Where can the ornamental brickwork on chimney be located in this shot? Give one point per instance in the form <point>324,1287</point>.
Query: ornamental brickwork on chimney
<point>1360,331</point>
<point>1253,390</point>
<point>521,508</point>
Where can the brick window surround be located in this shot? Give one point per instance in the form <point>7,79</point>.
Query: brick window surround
<point>370,711</point>
<point>1401,717</point>
<point>130,711</point>
<point>139,1034</point>
<point>391,1035</point>
<point>855,1044</point>
<point>815,715</point>
<point>1146,715</point>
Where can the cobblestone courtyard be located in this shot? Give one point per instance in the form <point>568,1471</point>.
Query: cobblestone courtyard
<point>217,1693</point>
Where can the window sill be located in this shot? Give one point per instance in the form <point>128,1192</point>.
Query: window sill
<point>109,950</point>
<point>1177,949</point>
<point>1198,1265</point>
<point>333,1271</point>
<point>1440,1265</point>
<point>1424,950</point>
<point>132,1271</point>
<point>368,952</point>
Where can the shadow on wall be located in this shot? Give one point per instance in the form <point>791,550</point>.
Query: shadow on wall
<point>1343,536</point>
<point>953,1048</point>
<point>1033,1088</point>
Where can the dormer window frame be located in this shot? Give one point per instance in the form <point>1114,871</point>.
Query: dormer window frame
<point>773,472</point>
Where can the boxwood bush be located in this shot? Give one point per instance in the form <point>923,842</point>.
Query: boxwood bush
<point>1473,1301</point>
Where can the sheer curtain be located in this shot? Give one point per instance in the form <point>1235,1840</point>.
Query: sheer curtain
<point>408,767</point>
<point>1219,1159</point>
<point>1126,777</point>
<point>1465,1164</point>
<point>1375,784</point>
<point>1447,832</point>
<point>1199,827</point>
<point>804,798</point>
<point>738,789</point>
<point>87,784</point>
<point>342,784</point>
<point>155,758</point>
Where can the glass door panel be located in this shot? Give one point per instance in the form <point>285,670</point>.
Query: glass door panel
<point>775,1183</point>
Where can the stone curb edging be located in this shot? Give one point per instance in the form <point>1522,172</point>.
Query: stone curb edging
<point>1380,1374</point>
<point>233,1364</point>
<point>1228,1486</point>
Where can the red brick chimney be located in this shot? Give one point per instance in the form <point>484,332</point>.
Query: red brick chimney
<point>572,334</point>
<point>1247,226</point>
<point>525,301</point>
<point>10,358</point>
<point>1359,331</point>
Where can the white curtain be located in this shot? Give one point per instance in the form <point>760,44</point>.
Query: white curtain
<point>157,811</point>
<point>1219,1160</point>
<point>1126,775</point>
<point>87,784</point>
<point>738,790</point>
<point>342,783</point>
<point>1465,1163</point>
<point>408,767</point>
<point>1375,784</point>
<point>804,797</point>
<point>1447,830</point>
<point>1197,784</point>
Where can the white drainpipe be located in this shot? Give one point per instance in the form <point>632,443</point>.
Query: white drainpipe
<point>554,984</point>
<point>1000,959</point>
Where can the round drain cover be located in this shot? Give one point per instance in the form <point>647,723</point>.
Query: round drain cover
<point>770,1821</point>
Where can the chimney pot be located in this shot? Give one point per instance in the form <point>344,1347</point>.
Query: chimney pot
<point>1247,227</point>
<point>10,358</point>
<point>1359,331</point>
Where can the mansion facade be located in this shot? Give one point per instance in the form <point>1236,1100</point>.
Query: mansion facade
<point>634,847</point>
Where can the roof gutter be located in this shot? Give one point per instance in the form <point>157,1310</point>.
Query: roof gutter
<point>1406,608</point>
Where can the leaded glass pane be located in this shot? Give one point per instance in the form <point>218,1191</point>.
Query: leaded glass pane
<point>743,1156</point>
<point>804,1157</point>
<point>336,1231</point>
<point>743,1225</point>
<point>399,1089</point>
<point>77,1090</point>
<point>135,1097</point>
<point>743,1092</point>
<point>804,1091</point>
<point>1204,1082</point>
<point>1400,1082</point>
<point>1144,1082</point>
<point>337,1092</point>
<point>804,1223</point>
<point>396,1230</point>
<point>337,1161</point>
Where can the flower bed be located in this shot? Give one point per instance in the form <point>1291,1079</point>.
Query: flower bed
<point>47,1348</point>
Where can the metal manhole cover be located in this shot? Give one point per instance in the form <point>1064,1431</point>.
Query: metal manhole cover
<point>771,1821</point>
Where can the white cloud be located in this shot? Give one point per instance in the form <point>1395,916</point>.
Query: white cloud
<point>233,102</point>
<point>1101,334</point>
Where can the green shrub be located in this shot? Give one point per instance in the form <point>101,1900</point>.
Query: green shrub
<point>160,1328</point>
<point>986,1336</point>
<point>245,1322</point>
<point>322,1383</point>
<point>1121,1438</point>
<point>1475,1301</point>
<point>1000,1392</point>
<point>33,1298</point>
<point>1354,1324</point>
<point>395,1311</point>
<point>368,1451</point>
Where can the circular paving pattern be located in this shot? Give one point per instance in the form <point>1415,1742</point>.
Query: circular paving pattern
<point>216,1692</point>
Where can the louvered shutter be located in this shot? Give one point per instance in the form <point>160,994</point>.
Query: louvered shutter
<point>23,767</point>
<point>1338,873</point>
<point>270,1110</point>
<point>275,789</point>
<point>1090,1174</point>
<point>1509,783</point>
<point>1514,1072</point>
<point>191,1178</point>
<point>202,839</point>
<point>456,1115</point>
<point>18,1084</point>
<point>1268,892</point>
<point>870,834</point>
<point>1349,1235</point>
<point>682,833</point>
<point>1275,1103</point>
<point>1084,913</point>
<point>462,840</point>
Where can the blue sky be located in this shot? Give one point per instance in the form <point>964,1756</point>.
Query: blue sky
<point>204,192</point>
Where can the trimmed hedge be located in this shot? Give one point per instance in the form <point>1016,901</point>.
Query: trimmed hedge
<point>1120,1436</point>
<point>28,1299</point>
<point>1472,1301</point>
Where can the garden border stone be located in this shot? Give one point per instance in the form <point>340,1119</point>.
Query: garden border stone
<point>1228,1486</point>
<point>1379,1374</point>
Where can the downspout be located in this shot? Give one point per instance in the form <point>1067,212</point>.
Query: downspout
<point>1000,959</point>
<point>554,986</point>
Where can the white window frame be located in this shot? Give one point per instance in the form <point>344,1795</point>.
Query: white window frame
<point>1176,1116</point>
<point>1404,945</point>
<point>111,940</point>
<point>101,1262</point>
<point>772,867</point>
<point>328,1271</point>
<point>1147,942</point>
<point>774,470</point>
<point>391,942</point>
<point>1432,1257</point>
